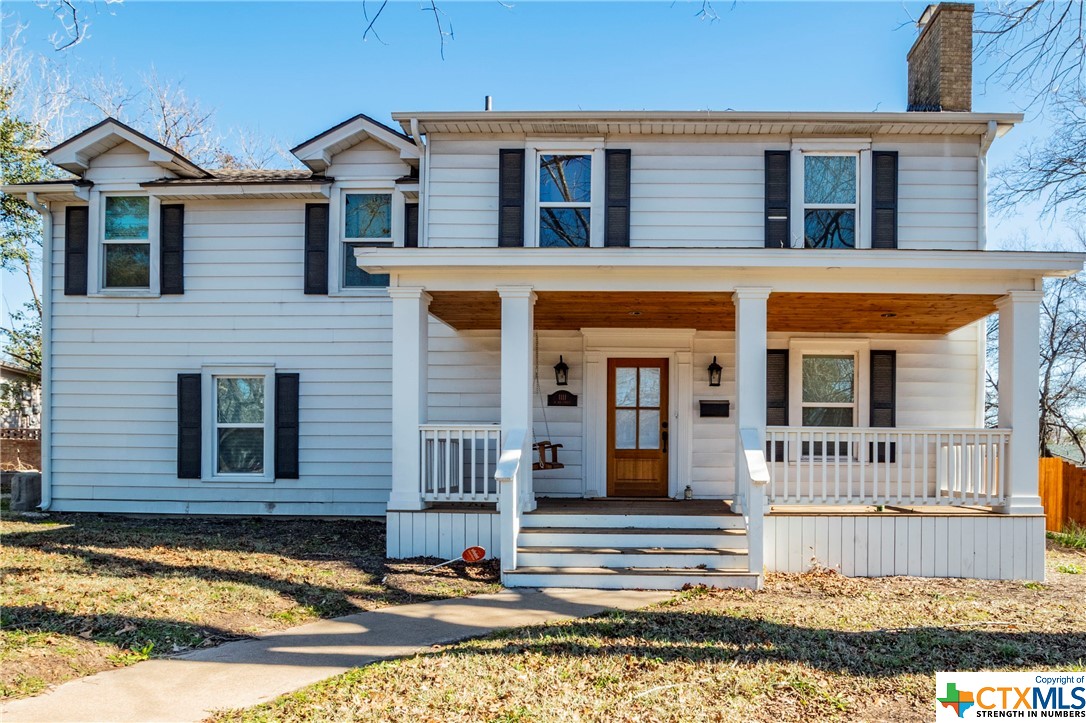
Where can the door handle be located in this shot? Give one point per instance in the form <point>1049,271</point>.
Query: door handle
<point>663,438</point>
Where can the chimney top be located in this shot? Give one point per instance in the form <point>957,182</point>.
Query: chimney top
<point>941,59</point>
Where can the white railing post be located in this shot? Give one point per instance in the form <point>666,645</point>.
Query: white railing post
<point>1019,361</point>
<point>410,319</point>
<point>508,475</point>
<point>755,477</point>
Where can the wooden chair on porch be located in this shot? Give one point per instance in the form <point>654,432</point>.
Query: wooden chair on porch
<point>543,446</point>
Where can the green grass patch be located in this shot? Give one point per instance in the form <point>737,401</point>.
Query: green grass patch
<point>1073,535</point>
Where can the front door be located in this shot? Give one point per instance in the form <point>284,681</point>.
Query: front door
<point>637,434</point>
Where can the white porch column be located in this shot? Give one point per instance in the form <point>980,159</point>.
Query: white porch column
<point>410,347</point>
<point>1019,366</point>
<point>518,365</point>
<point>750,346</point>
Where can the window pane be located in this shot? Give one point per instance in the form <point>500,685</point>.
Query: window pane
<point>563,227</point>
<point>648,436</point>
<point>650,388</point>
<point>829,179</point>
<point>126,217</point>
<point>241,450</point>
<point>829,379</point>
<point>369,215</point>
<point>565,178</point>
<point>829,229</point>
<point>626,387</point>
<point>827,416</point>
<point>128,266</point>
<point>354,276</point>
<point>240,400</point>
<point>625,429</point>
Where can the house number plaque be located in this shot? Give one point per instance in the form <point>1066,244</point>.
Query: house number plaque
<point>562,398</point>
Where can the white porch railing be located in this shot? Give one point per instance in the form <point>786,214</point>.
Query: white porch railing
<point>753,478</point>
<point>886,465</point>
<point>457,462</point>
<point>509,475</point>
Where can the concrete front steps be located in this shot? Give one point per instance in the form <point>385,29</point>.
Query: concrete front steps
<point>624,550</point>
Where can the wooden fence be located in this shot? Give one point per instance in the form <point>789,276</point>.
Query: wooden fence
<point>1063,493</point>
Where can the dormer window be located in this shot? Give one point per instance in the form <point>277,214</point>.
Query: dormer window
<point>830,201</point>
<point>126,243</point>
<point>367,222</point>
<point>565,200</point>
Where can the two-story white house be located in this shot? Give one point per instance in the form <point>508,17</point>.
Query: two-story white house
<point>616,349</point>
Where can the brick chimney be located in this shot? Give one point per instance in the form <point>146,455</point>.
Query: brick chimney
<point>941,59</point>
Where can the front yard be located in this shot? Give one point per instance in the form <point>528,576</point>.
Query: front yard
<point>807,647</point>
<point>84,593</point>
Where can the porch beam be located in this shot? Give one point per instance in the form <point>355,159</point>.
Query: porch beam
<point>750,370</point>
<point>410,349</point>
<point>517,365</point>
<point>1019,365</point>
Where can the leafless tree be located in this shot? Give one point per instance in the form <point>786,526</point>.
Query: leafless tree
<point>74,18</point>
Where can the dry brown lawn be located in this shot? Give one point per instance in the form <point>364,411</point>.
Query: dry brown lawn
<point>85,593</point>
<point>807,647</point>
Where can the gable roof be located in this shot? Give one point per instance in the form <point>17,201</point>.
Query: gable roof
<point>317,152</point>
<point>76,153</point>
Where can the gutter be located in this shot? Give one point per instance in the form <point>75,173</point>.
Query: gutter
<point>424,183</point>
<point>982,184</point>
<point>46,349</point>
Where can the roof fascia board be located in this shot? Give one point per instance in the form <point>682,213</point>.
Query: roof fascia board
<point>316,153</point>
<point>73,154</point>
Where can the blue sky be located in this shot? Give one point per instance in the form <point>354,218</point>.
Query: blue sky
<point>292,69</point>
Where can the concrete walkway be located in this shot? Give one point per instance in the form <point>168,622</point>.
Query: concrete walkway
<point>235,675</point>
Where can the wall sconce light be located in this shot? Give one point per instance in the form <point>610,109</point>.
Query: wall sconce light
<point>714,373</point>
<point>561,372</point>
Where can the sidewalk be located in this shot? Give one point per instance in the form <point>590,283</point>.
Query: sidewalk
<point>244,673</point>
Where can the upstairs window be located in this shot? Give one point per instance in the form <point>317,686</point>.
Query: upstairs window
<point>565,200</point>
<point>367,222</point>
<point>830,201</point>
<point>126,243</point>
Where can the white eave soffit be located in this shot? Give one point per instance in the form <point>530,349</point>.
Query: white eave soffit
<point>75,154</point>
<point>318,152</point>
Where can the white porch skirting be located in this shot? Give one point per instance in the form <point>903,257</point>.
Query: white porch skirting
<point>445,533</point>
<point>991,547</point>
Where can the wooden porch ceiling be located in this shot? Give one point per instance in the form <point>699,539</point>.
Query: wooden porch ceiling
<point>792,312</point>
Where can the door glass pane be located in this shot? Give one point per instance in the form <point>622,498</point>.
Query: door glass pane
<point>829,179</point>
<point>649,430</point>
<point>829,229</point>
<point>829,378</point>
<point>128,266</point>
<point>369,215</point>
<point>827,416</point>
<point>565,178</point>
<point>241,450</point>
<point>562,227</point>
<point>650,387</point>
<point>240,400</point>
<point>626,387</point>
<point>626,429</point>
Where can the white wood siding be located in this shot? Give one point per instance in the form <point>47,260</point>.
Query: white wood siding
<point>708,192</point>
<point>992,547</point>
<point>116,362</point>
<point>444,534</point>
<point>125,163</point>
<point>367,160</point>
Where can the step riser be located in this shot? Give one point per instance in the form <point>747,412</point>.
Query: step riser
<point>581,559</point>
<point>540,538</point>
<point>676,522</point>
<point>628,581</point>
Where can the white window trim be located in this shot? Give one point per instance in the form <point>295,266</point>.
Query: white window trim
<point>859,147</point>
<point>209,421</point>
<point>534,148</point>
<point>337,228</point>
<point>861,351</point>
<point>96,212</point>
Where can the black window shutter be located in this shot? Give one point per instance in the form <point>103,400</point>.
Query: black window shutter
<point>411,225</point>
<point>511,197</point>
<point>189,418</point>
<point>286,426</point>
<point>883,402</point>
<point>617,220</point>
<point>76,234</point>
<point>778,192</point>
<point>884,200</point>
<point>171,232</point>
<point>316,248</point>
<point>776,395</point>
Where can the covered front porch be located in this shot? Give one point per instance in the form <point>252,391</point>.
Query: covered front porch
<point>931,458</point>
